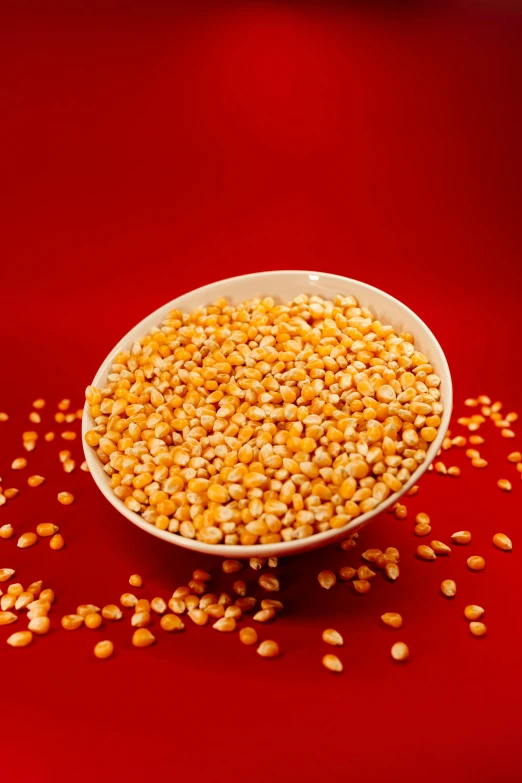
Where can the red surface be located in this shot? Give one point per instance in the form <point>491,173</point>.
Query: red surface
<point>202,141</point>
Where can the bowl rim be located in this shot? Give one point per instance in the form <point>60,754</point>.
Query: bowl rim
<point>282,548</point>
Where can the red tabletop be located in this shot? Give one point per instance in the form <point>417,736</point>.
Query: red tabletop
<point>149,148</point>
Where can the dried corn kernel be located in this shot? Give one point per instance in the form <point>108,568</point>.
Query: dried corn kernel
<point>26,540</point>
<point>477,629</point>
<point>248,635</point>
<point>171,622</point>
<point>473,612</point>
<point>361,585</point>
<point>422,530</point>
<point>476,563</point>
<point>346,573</point>
<point>6,618</point>
<point>225,624</point>
<point>332,663</point>
<point>57,542</point>
<point>93,620</point>
<point>400,652</point>
<point>326,579</point>
<point>392,618</point>
<point>440,548</point>
<point>449,588</point>
<point>502,542</point>
<point>45,529</point>
<point>135,580</point>
<point>231,566</point>
<point>268,649</point>
<point>6,531</point>
<point>19,464</point>
<point>333,637</point>
<point>6,573</point>
<point>65,498</point>
<point>20,639</point>
<point>104,649</point>
<point>35,481</point>
<point>72,621</point>
<point>39,625</point>
<point>347,544</point>
<point>270,583</point>
<point>426,552</point>
<point>462,537</point>
<point>111,612</point>
<point>142,637</point>
<point>504,485</point>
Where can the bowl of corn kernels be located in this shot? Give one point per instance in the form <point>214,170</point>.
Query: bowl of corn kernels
<point>267,414</point>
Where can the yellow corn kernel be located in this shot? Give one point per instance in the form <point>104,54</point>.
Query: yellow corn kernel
<point>45,529</point>
<point>57,542</point>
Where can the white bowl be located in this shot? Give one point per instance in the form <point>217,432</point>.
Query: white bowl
<point>283,286</point>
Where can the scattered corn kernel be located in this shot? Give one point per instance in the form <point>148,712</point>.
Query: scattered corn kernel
<point>476,563</point>
<point>326,579</point>
<point>225,624</point>
<point>333,637</point>
<point>332,663</point>
<point>47,595</point>
<point>473,612</point>
<point>135,580</point>
<point>264,615</point>
<point>39,403</point>
<point>462,537</point>
<point>6,573</point>
<point>477,629</point>
<point>478,462</point>
<point>57,542</point>
<point>231,566</point>
<point>93,620</point>
<point>104,649</point>
<point>449,588</point>
<point>6,531</point>
<point>20,639</point>
<point>39,625</point>
<point>35,481</point>
<point>158,605</point>
<point>504,485</point>
<point>6,618</point>
<point>142,637</point>
<point>248,635</point>
<point>348,543</point>
<point>392,618</point>
<point>198,616</point>
<point>111,612</point>
<point>268,649</point>
<point>65,498</point>
<point>49,436</point>
<point>453,471</point>
<point>502,542</point>
<point>19,464</point>
<point>72,621</point>
<point>26,540</point>
<point>45,529</point>
<point>371,555</point>
<point>401,512</point>
<point>361,585</point>
<point>271,583</point>
<point>426,552</point>
<point>35,588</point>
<point>346,573</point>
<point>439,548</point>
<point>422,530</point>
<point>392,571</point>
<point>171,622</point>
<point>3,416</point>
<point>400,652</point>
<point>84,467</point>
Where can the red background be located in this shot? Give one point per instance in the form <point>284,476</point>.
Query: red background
<point>148,148</point>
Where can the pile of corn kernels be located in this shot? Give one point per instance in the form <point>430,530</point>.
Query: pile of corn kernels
<point>264,423</point>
